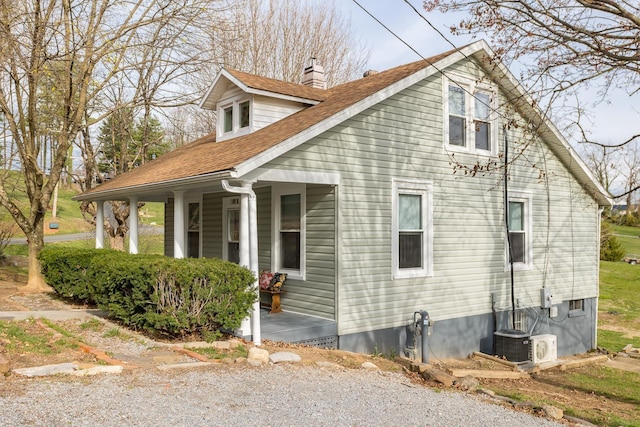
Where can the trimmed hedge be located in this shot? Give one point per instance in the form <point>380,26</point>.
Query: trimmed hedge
<point>67,271</point>
<point>154,292</point>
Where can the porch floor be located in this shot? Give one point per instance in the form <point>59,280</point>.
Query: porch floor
<point>298,328</point>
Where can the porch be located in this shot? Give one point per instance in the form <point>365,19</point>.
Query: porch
<point>298,328</point>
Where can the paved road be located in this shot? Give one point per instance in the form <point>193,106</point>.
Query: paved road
<point>53,238</point>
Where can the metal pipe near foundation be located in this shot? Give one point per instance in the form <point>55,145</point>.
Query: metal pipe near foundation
<point>424,321</point>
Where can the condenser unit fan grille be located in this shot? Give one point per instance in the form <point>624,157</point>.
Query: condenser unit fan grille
<point>543,348</point>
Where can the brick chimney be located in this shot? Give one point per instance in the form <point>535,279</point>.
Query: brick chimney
<point>313,75</point>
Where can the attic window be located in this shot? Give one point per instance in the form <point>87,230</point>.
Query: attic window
<point>234,118</point>
<point>244,114</point>
<point>228,119</point>
<point>469,119</point>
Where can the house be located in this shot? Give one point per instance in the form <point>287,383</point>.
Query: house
<point>384,197</point>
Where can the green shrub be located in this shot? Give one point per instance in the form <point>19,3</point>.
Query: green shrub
<point>610,247</point>
<point>631,219</point>
<point>66,270</point>
<point>154,292</point>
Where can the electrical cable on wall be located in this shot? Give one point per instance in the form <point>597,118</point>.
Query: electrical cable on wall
<point>506,223</point>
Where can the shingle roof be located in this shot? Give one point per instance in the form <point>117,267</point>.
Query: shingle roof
<point>278,86</point>
<point>206,156</point>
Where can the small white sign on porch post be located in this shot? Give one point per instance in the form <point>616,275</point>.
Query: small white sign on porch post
<point>179,225</point>
<point>133,225</point>
<point>99,224</point>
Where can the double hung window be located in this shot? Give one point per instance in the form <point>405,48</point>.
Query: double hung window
<point>519,240</point>
<point>469,122</point>
<point>289,230</point>
<point>412,228</point>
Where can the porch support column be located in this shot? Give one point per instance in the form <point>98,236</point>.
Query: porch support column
<point>99,224</point>
<point>249,251</point>
<point>245,254</point>
<point>253,256</point>
<point>179,225</point>
<point>133,225</point>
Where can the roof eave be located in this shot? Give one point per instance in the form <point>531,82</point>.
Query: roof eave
<point>210,100</point>
<point>150,189</point>
<point>559,145</point>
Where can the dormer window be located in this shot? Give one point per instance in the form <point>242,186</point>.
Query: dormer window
<point>234,118</point>
<point>228,119</point>
<point>244,114</point>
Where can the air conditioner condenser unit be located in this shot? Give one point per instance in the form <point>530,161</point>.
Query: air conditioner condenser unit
<point>543,348</point>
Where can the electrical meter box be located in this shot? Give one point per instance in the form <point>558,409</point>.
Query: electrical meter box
<point>546,298</point>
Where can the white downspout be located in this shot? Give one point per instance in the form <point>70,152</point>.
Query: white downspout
<point>99,224</point>
<point>133,225</point>
<point>595,315</point>
<point>249,244</point>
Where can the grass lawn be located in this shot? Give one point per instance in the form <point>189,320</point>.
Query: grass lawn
<point>629,237</point>
<point>69,218</point>
<point>619,305</point>
<point>620,288</point>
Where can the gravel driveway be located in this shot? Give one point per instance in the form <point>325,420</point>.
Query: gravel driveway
<point>275,395</point>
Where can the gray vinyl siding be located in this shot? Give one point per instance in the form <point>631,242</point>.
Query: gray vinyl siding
<point>212,225</point>
<point>269,110</point>
<point>263,196</point>
<point>232,92</point>
<point>402,137</point>
<point>168,228</point>
<point>316,295</point>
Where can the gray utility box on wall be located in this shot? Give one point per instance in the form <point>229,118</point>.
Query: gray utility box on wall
<point>512,345</point>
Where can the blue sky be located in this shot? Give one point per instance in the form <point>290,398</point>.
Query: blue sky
<point>613,122</point>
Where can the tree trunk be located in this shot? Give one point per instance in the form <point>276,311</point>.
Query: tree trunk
<point>116,242</point>
<point>35,240</point>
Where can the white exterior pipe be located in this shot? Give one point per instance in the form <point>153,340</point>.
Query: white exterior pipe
<point>179,225</point>
<point>133,225</point>
<point>99,224</point>
<point>249,245</point>
<point>594,336</point>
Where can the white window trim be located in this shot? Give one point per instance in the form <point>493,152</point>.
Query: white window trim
<point>424,189</point>
<point>187,202</point>
<point>577,312</point>
<point>527,199</point>
<point>236,129</point>
<point>277,192</point>
<point>470,87</point>
<point>227,203</point>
